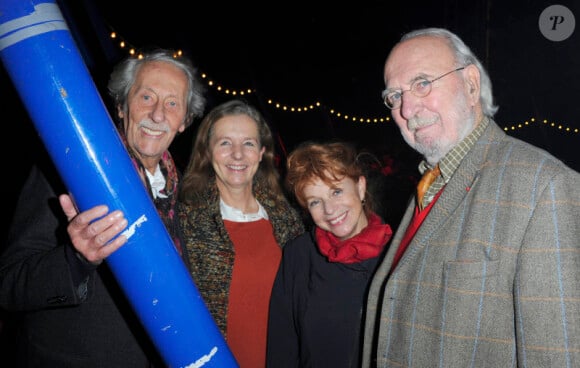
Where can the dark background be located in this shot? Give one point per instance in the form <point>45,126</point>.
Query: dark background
<point>298,54</point>
<point>301,53</point>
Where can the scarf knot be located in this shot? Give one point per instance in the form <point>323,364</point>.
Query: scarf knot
<point>369,243</point>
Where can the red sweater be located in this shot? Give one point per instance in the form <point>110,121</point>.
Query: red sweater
<point>255,265</point>
<point>416,222</point>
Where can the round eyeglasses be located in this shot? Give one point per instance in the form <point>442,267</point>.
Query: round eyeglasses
<point>420,87</point>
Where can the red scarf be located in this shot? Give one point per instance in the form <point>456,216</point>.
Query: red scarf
<point>369,243</point>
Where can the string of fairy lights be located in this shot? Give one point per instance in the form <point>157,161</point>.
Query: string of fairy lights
<point>124,45</point>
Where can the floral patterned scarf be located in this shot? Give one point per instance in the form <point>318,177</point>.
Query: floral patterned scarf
<point>165,206</point>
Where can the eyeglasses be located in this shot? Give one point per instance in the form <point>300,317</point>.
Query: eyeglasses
<point>420,87</point>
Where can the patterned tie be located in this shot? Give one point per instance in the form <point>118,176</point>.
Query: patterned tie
<point>428,178</point>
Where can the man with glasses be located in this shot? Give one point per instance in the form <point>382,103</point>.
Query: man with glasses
<point>487,271</point>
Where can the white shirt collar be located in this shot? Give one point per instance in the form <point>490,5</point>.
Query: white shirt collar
<point>157,182</point>
<point>234,214</point>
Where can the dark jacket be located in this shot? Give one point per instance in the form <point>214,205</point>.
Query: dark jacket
<point>316,309</point>
<point>58,324</point>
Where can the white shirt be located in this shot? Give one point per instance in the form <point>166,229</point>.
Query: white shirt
<point>157,182</point>
<point>234,214</point>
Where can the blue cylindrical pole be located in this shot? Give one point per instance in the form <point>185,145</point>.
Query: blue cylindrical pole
<point>62,100</point>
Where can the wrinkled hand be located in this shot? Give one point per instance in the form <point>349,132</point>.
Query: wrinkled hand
<point>94,239</point>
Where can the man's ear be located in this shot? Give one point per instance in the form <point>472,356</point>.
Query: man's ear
<point>120,112</point>
<point>473,79</point>
<point>181,128</point>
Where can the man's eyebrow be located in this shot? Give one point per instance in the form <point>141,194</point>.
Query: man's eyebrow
<point>421,75</point>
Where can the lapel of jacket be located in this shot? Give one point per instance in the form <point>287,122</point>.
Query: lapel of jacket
<point>454,193</point>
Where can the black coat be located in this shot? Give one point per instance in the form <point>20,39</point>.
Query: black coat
<point>316,308</point>
<point>39,275</point>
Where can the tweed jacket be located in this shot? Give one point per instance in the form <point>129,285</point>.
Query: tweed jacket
<point>211,252</point>
<point>492,276</point>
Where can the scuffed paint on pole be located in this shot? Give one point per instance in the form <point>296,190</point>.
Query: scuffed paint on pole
<point>44,63</point>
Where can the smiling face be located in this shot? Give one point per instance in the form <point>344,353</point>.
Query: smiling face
<point>433,124</point>
<point>236,153</point>
<point>337,208</point>
<point>156,111</point>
